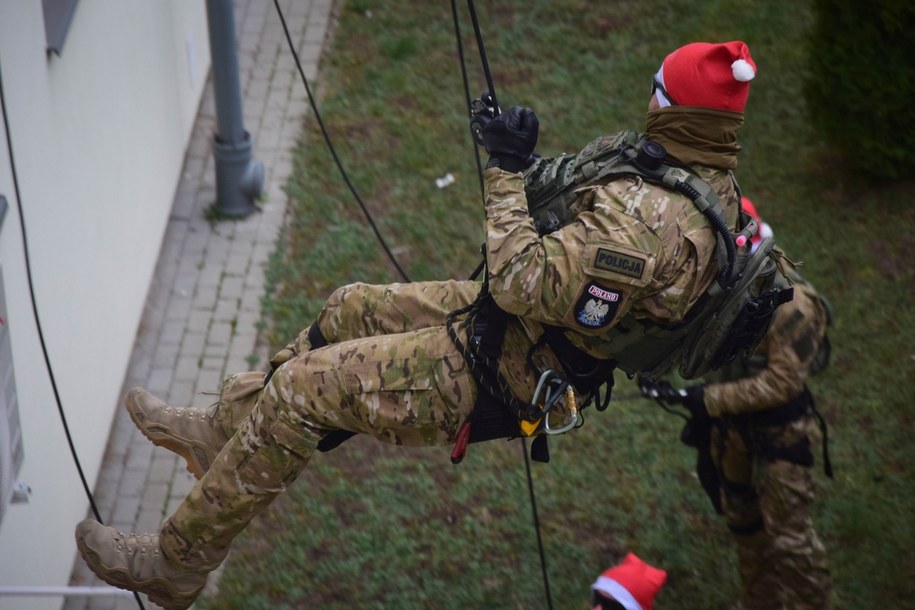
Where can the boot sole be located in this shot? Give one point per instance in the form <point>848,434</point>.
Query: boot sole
<point>196,464</point>
<point>158,590</point>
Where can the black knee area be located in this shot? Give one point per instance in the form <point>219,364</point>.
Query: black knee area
<point>333,439</point>
<point>315,336</point>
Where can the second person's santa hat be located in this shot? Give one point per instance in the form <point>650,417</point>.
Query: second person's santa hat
<point>764,229</point>
<point>632,582</point>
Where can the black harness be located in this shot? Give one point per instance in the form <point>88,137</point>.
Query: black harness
<point>497,412</point>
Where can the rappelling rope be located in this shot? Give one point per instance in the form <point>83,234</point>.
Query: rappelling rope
<point>490,85</point>
<point>487,73</point>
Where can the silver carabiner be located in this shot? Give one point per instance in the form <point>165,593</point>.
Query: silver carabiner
<point>545,385</point>
<point>573,411</point>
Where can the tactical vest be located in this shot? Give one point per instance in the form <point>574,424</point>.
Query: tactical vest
<point>736,311</point>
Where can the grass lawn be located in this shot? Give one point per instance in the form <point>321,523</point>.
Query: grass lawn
<point>373,526</point>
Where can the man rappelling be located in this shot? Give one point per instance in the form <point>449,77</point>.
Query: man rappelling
<point>643,245</point>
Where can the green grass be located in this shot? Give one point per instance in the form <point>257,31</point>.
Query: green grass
<point>372,526</point>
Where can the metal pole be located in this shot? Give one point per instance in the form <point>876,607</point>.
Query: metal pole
<point>24,591</point>
<point>239,179</point>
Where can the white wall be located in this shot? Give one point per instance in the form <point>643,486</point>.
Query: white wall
<point>99,135</point>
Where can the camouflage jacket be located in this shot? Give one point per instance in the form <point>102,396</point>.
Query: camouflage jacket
<point>777,372</point>
<point>633,247</point>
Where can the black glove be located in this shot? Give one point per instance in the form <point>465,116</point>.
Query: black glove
<point>510,139</point>
<point>662,391</point>
<point>694,401</point>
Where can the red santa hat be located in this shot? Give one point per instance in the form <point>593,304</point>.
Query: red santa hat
<point>764,230</point>
<point>633,583</point>
<point>708,75</point>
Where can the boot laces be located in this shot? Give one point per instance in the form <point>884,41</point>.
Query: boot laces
<point>190,413</point>
<point>138,543</point>
<point>212,413</point>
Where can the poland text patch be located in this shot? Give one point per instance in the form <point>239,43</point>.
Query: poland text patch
<point>597,305</point>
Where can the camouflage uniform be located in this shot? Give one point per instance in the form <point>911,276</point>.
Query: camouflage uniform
<point>413,387</point>
<point>365,310</point>
<point>390,369</point>
<point>633,248</point>
<point>353,311</point>
<point>764,452</point>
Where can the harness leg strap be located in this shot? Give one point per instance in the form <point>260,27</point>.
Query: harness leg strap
<point>540,450</point>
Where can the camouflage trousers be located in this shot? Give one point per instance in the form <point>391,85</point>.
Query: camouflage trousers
<point>390,370</point>
<point>367,310</point>
<point>767,504</point>
<point>353,311</point>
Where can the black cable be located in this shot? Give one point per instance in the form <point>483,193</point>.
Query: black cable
<point>479,35</point>
<point>530,488</point>
<point>467,100</point>
<point>492,92</point>
<point>330,146</point>
<point>527,464</point>
<point>38,327</point>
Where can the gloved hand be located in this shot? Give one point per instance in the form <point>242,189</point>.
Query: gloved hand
<point>661,390</point>
<point>482,111</point>
<point>510,139</point>
<point>694,401</point>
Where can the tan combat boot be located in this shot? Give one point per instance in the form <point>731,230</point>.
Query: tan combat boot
<point>137,562</point>
<point>192,433</point>
<point>196,434</point>
<point>256,464</point>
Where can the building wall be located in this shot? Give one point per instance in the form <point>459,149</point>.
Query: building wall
<point>98,136</point>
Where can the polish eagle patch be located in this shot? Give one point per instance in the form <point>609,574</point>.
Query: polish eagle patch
<point>597,305</point>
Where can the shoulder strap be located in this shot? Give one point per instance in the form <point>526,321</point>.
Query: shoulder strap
<point>631,153</point>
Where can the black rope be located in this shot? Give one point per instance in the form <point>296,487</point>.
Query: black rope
<point>330,146</point>
<point>479,35</point>
<point>530,488</point>
<point>527,464</point>
<point>467,101</point>
<point>38,327</point>
<point>492,92</point>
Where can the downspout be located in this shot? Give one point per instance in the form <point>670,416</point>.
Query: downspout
<point>239,179</point>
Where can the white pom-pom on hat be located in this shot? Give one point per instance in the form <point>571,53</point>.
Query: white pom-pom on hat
<point>742,70</point>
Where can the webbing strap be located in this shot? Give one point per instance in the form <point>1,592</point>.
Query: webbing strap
<point>692,186</point>
<point>585,372</point>
<point>486,324</point>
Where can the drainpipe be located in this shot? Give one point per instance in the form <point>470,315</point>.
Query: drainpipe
<point>239,179</point>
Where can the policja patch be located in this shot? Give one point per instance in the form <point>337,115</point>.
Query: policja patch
<point>597,305</point>
<point>608,260</point>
